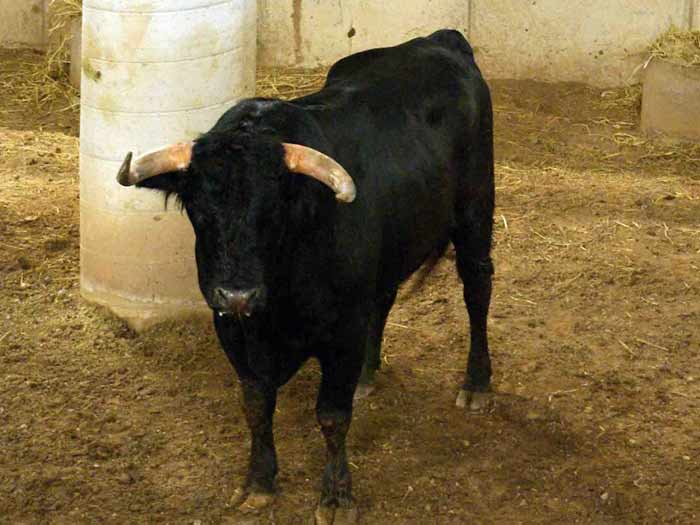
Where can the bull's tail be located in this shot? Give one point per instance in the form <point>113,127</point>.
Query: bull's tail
<point>427,267</point>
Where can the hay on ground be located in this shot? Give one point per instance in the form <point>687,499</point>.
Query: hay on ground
<point>289,83</point>
<point>45,83</point>
<point>626,98</point>
<point>678,47</point>
<point>61,15</point>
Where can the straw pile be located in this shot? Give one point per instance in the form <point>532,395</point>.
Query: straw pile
<point>61,15</point>
<point>288,83</point>
<point>45,83</point>
<point>678,47</point>
<point>675,46</point>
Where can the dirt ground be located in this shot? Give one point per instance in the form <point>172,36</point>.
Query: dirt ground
<point>594,337</point>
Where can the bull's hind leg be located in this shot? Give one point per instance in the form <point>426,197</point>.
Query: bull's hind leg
<point>472,240</point>
<point>373,359</point>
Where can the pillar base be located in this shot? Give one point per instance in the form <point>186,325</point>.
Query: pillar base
<point>142,316</point>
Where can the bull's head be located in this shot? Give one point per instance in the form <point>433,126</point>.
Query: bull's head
<point>237,194</point>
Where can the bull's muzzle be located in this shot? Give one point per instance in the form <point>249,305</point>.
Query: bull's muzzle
<point>241,303</point>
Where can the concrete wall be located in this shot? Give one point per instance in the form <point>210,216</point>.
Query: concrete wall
<point>600,42</point>
<point>318,32</point>
<point>22,23</point>
<point>596,41</point>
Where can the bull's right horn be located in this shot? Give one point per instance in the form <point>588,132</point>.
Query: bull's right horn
<point>308,161</point>
<point>176,157</point>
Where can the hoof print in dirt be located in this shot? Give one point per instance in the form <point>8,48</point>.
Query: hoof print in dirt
<point>478,402</point>
<point>335,515</point>
<point>363,392</point>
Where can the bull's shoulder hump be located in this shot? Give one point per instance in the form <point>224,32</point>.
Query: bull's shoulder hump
<point>352,65</point>
<point>453,40</point>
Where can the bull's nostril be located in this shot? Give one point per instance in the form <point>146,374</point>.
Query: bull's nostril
<point>235,301</point>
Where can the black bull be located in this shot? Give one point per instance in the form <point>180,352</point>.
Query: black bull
<point>292,273</point>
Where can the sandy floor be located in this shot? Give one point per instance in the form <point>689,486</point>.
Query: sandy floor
<point>594,334</point>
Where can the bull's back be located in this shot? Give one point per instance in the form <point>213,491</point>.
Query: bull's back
<point>382,61</point>
<point>400,120</point>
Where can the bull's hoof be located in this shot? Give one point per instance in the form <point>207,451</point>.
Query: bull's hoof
<point>363,391</point>
<point>345,515</point>
<point>476,401</point>
<point>248,502</point>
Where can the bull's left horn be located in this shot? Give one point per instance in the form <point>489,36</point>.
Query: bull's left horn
<point>308,161</point>
<point>176,157</point>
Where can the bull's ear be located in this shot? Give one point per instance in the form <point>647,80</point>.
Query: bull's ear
<point>172,182</point>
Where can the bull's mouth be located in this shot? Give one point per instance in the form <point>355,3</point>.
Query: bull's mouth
<point>229,313</point>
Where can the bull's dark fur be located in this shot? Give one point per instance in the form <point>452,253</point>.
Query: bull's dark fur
<point>412,125</point>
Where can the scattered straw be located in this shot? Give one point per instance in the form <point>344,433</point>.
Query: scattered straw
<point>62,13</point>
<point>627,97</point>
<point>677,46</point>
<point>45,83</point>
<point>289,83</point>
<point>31,85</point>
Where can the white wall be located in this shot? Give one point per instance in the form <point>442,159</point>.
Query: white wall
<point>596,41</point>
<point>22,23</point>
<point>540,39</point>
<point>310,33</point>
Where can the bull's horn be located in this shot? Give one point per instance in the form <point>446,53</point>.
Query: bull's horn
<point>308,161</point>
<point>176,157</point>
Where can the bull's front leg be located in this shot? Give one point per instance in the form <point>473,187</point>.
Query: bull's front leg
<point>334,413</point>
<point>259,402</point>
<point>258,398</point>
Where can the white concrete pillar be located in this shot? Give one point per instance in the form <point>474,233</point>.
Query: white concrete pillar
<point>153,73</point>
